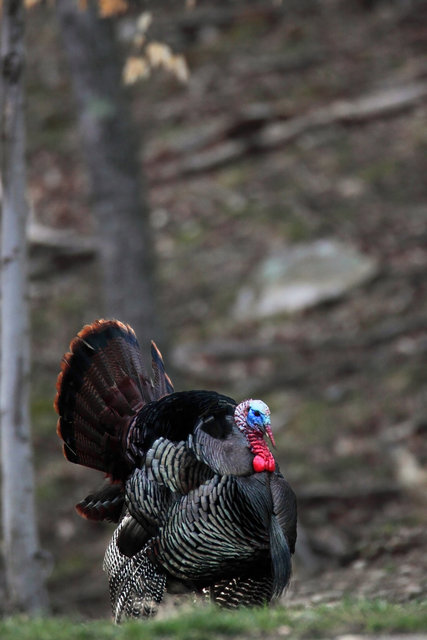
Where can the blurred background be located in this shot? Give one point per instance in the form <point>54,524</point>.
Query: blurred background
<point>287,211</point>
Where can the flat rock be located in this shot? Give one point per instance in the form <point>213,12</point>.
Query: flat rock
<point>302,276</point>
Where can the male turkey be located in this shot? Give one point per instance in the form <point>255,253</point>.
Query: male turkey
<point>199,498</point>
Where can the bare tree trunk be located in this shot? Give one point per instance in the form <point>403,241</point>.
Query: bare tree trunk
<point>24,581</point>
<point>111,153</point>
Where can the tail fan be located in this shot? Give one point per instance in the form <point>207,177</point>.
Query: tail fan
<point>102,384</point>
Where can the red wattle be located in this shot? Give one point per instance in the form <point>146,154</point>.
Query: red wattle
<point>263,460</point>
<point>270,464</point>
<point>258,464</point>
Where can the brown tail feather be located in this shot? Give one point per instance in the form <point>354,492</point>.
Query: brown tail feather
<point>162,383</point>
<point>102,384</point>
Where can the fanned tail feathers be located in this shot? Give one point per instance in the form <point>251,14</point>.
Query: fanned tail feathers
<point>102,385</point>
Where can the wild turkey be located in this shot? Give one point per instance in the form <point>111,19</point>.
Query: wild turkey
<point>199,498</point>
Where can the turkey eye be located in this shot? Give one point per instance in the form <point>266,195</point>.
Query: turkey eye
<point>256,413</point>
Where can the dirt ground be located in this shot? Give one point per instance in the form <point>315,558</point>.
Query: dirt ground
<point>251,156</point>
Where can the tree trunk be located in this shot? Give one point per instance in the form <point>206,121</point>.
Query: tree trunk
<point>24,581</point>
<point>111,153</point>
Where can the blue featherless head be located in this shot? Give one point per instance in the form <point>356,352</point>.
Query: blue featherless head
<point>258,415</point>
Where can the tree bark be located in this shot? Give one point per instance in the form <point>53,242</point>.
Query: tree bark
<point>22,558</point>
<point>111,153</point>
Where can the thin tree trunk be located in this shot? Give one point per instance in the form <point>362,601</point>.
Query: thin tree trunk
<point>111,153</point>
<point>24,581</point>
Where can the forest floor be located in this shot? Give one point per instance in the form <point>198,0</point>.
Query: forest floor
<point>301,121</point>
<point>364,619</point>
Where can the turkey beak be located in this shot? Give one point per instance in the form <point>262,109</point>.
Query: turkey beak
<point>269,433</point>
